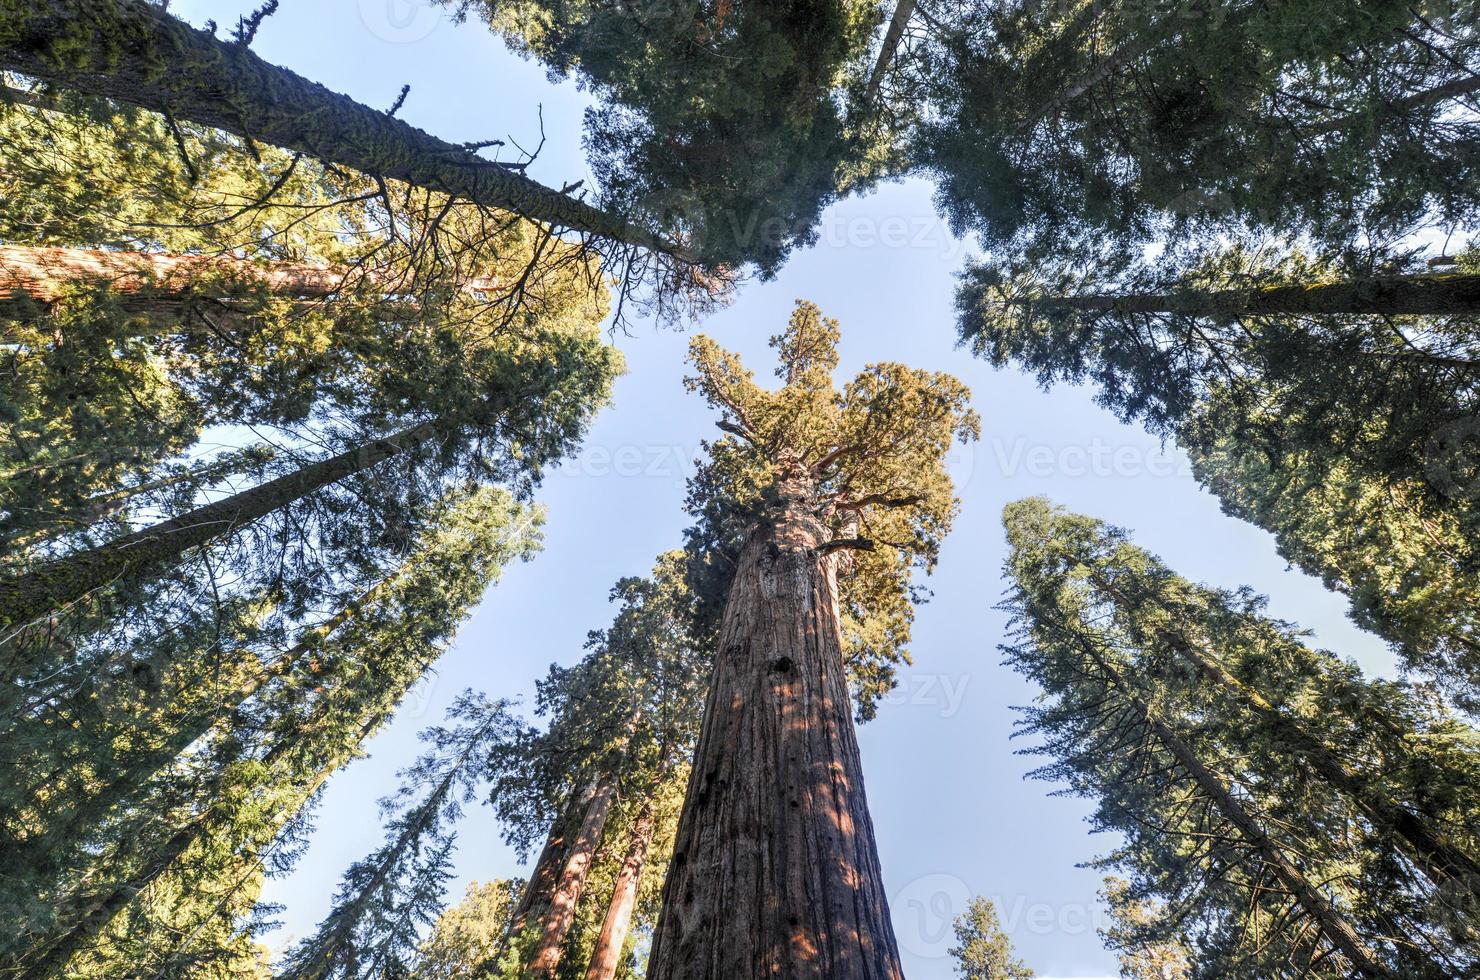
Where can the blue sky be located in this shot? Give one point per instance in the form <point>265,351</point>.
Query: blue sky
<point>953,813</point>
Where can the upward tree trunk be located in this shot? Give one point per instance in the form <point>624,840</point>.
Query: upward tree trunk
<point>133,51</point>
<point>1394,296</point>
<point>27,597</point>
<point>1448,867</point>
<point>774,871</point>
<point>1333,926</point>
<point>903,11</point>
<point>561,912</point>
<point>607,956</point>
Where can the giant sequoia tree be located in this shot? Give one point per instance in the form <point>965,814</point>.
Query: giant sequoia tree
<point>1233,757</point>
<point>816,507</point>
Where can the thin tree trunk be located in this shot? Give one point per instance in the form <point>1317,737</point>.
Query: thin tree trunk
<point>903,11</point>
<point>561,913</point>
<point>107,504</point>
<point>1396,296</point>
<point>1333,926</point>
<point>1454,89</point>
<point>27,597</point>
<point>775,871</point>
<point>133,51</point>
<point>99,910</point>
<point>607,956</point>
<point>1446,866</point>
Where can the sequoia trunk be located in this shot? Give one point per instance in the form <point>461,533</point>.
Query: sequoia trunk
<point>606,957</point>
<point>775,872</point>
<point>561,913</point>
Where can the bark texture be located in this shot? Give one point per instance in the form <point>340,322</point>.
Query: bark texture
<point>561,912</point>
<point>1395,296</point>
<point>775,871</point>
<point>27,597</point>
<point>133,51</point>
<point>607,956</point>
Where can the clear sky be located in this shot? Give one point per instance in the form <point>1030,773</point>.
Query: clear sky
<point>953,813</point>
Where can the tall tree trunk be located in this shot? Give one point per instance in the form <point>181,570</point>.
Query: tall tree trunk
<point>607,956</point>
<point>107,504</point>
<point>27,597</point>
<point>134,52</point>
<point>1447,867</point>
<point>775,871</point>
<point>903,11</point>
<point>561,913</point>
<point>1332,925</point>
<point>1393,296</point>
<point>159,280</point>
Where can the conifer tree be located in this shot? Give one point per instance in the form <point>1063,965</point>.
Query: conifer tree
<point>983,950</point>
<point>1343,434</point>
<point>372,930</point>
<point>1064,124</point>
<point>814,509</point>
<point>468,933</point>
<point>120,49</point>
<point>738,123</point>
<point>205,830</point>
<point>601,777</point>
<point>1230,754</point>
<point>1130,918</point>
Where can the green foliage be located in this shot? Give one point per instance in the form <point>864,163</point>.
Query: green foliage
<point>205,825</point>
<point>467,933</point>
<point>1130,917</point>
<point>874,454</point>
<point>983,950</point>
<point>732,124</point>
<point>1345,435</point>
<point>1107,631</point>
<point>383,900</point>
<point>1062,124</point>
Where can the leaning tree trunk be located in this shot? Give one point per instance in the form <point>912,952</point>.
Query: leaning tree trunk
<point>133,51</point>
<point>1391,296</point>
<point>775,871</point>
<point>607,956</point>
<point>160,281</point>
<point>560,915</point>
<point>1448,867</point>
<point>27,597</point>
<point>1332,924</point>
<point>93,913</point>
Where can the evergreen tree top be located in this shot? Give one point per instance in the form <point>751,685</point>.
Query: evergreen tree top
<point>873,455</point>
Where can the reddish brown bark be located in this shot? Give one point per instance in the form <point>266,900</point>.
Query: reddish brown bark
<point>561,912</point>
<point>607,955</point>
<point>43,273</point>
<point>775,872</point>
